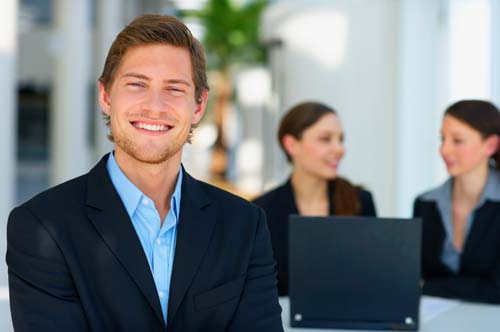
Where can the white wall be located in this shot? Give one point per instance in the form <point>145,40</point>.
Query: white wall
<point>345,53</point>
<point>420,94</point>
<point>495,40</point>
<point>495,55</point>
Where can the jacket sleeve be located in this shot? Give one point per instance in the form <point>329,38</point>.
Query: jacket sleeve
<point>486,289</point>
<point>42,293</point>
<point>259,309</point>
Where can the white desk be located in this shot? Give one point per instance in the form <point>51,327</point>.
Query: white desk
<point>454,317</point>
<point>463,317</point>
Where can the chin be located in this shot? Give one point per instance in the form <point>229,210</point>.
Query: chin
<point>454,173</point>
<point>155,156</point>
<point>147,155</point>
<point>329,176</point>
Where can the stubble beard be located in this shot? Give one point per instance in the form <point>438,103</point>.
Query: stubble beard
<point>143,155</point>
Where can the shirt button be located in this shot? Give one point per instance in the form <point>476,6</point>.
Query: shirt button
<point>158,241</point>
<point>145,201</point>
<point>161,294</point>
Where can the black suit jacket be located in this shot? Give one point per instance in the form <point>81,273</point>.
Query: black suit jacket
<point>478,278</point>
<point>278,205</point>
<point>76,263</point>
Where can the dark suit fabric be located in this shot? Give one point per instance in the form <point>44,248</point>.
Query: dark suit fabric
<point>279,204</point>
<point>478,278</point>
<point>76,263</point>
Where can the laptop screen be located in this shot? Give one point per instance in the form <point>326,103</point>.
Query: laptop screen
<point>354,272</point>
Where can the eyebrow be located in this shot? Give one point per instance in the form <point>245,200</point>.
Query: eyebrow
<point>177,81</point>
<point>146,78</point>
<point>136,75</point>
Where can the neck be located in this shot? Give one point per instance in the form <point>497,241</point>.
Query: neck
<point>307,187</point>
<point>469,186</point>
<point>157,181</point>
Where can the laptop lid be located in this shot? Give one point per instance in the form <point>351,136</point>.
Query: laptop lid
<point>354,272</point>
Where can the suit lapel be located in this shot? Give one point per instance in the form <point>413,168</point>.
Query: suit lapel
<point>194,233</point>
<point>107,213</point>
<point>480,226</point>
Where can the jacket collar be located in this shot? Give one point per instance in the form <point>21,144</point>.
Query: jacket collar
<point>196,222</point>
<point>194,232</point>
<point>112,222</point>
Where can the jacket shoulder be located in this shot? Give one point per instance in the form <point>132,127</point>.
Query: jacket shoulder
<point>58,198</point>
<point>272,197</point>
<point>425,202</point>
<point>226,199</point>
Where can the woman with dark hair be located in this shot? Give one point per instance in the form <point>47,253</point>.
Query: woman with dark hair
<point>461,218</point>
<point>311,137</point>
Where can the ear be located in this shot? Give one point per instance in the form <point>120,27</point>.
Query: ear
<point>200,106</point>
<point>492,143</point>
<point>290,144</point>
<point>104,98</point>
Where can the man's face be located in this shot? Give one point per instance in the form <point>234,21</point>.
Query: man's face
<point>152,103</point>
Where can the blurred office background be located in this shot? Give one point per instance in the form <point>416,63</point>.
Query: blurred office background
<point>389,67</point>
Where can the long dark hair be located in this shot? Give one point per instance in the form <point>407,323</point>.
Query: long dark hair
<point>295,122</point>
<point>482,116</point>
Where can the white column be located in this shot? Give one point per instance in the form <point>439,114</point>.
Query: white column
<point>8,45</point>
<point>495,51</point>
<point>109,24</point>
<point>70,95</point>
<point>421,40</point>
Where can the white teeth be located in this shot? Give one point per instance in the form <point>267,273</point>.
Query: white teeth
<point>151,127</point>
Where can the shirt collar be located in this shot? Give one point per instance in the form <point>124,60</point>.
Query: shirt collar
<point>131,195</point>
<point>175,203</point>
<point>490,192</point>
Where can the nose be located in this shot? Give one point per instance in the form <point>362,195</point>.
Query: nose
<point>155,103</point>
<point>444,149</point>
<point>338,148</point>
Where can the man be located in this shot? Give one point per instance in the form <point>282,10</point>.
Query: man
<point>137,244</point>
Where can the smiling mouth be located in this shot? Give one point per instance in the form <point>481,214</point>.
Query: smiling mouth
<point>334,162</point>
<point>157,128</point>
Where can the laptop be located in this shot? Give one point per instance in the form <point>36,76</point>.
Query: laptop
<point>354,272</point>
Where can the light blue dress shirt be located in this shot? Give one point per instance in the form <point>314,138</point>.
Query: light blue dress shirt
<point>158,242</point>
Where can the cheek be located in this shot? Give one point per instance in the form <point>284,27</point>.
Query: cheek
<point>471,153</point>
<point>313,150</point>
<point>182,108</point>
<point>123,102</point>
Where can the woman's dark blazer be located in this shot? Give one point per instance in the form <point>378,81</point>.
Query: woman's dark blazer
<point>278,205</point>
<point>478,278</point>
